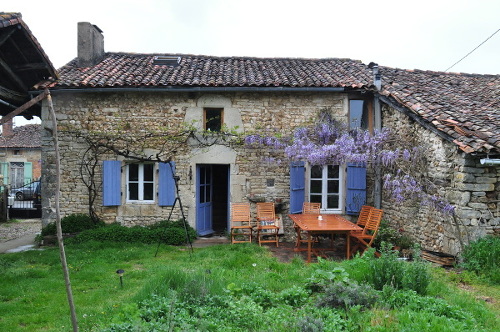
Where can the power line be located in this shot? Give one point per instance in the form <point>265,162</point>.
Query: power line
<point>494,33</point>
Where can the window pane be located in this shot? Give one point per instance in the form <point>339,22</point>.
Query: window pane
<point>315,199</point>
<point>202,195</point>
<point>148,192</point>
<point>133,191</point>
<point>213,118</point>
<point>208,192</point>
<point>355,113</point>
<point>148,172</point>
<point>202,175</point>
<point>133,172</point>
<point>333,171</point>
<point>316,172</point>
<point>333,201</point>
<point>316,186</point>
<point>333,186</point>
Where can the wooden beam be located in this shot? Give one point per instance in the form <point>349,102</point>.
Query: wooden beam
<point>12,75</point>
<point>24,107</point>
<point>6,36</point>
<point>12,95</point>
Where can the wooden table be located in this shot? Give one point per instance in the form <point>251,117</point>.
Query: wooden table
<point>330,224</point>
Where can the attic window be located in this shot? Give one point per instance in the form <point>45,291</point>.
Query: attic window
<point>167,60</point>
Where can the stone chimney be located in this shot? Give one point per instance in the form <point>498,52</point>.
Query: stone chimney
<point>90,44</point>
<point>7,128</point>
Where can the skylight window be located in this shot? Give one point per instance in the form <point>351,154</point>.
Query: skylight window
<point>167,60</point>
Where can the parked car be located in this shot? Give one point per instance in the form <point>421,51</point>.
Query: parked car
<point>26,192</point>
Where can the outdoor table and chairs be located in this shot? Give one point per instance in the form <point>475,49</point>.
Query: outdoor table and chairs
<point>332,224</point>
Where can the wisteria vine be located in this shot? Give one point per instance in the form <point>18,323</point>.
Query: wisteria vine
<point>328,141</point>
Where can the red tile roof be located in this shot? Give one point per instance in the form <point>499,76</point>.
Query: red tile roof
<point>28,136</point>
<point>464,106</point>
<point>138,70</point>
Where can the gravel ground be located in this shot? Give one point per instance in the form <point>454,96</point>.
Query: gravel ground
<point>14,230</point>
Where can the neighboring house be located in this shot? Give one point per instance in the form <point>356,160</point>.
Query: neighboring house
<point>20,154</point>
<point>99,92</point>
<point>23,63</point>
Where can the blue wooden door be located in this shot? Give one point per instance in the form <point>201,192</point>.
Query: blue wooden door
<point>204,200</point>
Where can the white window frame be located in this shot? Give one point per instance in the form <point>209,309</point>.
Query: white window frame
<point>141,182</point>
<point>324,196</point>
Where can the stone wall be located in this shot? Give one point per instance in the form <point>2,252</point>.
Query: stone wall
<point>471,187</point>
<point>130,112</point>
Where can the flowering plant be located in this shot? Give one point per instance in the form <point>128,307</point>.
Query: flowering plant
<point>328,141</point>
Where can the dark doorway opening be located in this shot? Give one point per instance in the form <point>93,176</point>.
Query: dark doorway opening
<point>220,200</point>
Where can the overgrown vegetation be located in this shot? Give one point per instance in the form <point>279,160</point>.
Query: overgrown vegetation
<point>224,288</point>
<point>483,257</point>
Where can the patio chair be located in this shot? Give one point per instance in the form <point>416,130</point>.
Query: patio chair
<point>307,208</point>
<point>241,227</point>
<point>267,227</point>
<point>363,215</point>
<point>361,241</point>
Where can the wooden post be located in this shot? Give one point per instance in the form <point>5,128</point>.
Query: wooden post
<point>62,253</point>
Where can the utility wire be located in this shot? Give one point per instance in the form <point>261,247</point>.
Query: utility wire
<point>494,33</point>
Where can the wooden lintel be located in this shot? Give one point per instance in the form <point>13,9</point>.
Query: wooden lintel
<point>24,107</point>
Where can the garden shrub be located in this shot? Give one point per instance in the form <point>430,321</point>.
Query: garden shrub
<point>170,233</point>
<point>73,223</point>
<point>344,295</point>
<point>399,274</point>
<point>483,257</point>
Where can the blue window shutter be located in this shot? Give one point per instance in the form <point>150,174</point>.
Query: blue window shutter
<point>297,186</point>
<point>356,188</point>
<point>166,184</point>
<point>111,178</point>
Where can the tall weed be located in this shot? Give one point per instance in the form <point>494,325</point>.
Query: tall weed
<point>483,257</point>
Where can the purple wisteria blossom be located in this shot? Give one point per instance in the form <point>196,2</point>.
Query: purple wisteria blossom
<point>329,142</point>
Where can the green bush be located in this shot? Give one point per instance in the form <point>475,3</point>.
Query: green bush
<point>388,234</point>
<point>483,257</point>
<point>343,295</point>
<point>170,233</point>
<point>73,223</point>
<point>399,274</point>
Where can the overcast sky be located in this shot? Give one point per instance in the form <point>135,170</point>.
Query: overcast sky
<point>424,34</point>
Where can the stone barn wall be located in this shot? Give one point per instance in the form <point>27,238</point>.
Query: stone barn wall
<point>470,186</point>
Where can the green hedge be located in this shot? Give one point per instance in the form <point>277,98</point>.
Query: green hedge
<point>73,223</point>
<point>171,233</point>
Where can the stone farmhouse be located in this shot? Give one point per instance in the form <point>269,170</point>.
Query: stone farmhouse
<point>107,104</point>
<point>21,153</point>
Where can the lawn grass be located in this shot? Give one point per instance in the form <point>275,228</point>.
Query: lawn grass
<point>33,298</point>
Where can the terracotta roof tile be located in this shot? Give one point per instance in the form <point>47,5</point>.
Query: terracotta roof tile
<point>465,106</point>
<point>136,70</point>
<point>28,136</point>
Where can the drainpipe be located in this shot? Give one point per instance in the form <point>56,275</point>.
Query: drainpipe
<point>377,81</point>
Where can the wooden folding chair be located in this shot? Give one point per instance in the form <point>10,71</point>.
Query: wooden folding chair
<point>267,227</point>
<point>241,226</point>
<point>363,215</point>
<point>364,240</point>
<point>307,208</point>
